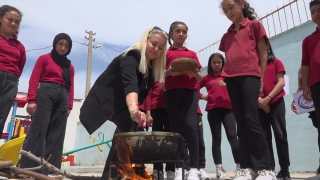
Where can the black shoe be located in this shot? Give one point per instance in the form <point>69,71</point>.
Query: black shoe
<point>283,175</point>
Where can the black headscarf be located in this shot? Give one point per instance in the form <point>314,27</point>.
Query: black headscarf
<point>62,60</point>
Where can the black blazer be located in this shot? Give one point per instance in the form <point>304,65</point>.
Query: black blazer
<point>108,94</point>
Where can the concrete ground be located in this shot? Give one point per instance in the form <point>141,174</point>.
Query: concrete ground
<point>97,171</point>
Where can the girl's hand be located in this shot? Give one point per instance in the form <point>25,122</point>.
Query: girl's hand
<point>263,101</point>
<point>31,108</point>
<point>221,83</point>
<point>294,107</point>
<point>149,120</point>
<point>261,89</point>
<point>171,72</point>
<point>196,74</point>
<point>307,94</point>
<point>204,97</point>
<point>266,108</point>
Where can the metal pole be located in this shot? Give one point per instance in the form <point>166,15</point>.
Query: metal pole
<point>89,62</point>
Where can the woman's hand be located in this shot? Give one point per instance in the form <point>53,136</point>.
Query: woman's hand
<point>31,108</point>
<point>172,72</point>
<point>139,117</point>
<point>221,83</point>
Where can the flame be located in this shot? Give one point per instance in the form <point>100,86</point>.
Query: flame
<point>124,152</point>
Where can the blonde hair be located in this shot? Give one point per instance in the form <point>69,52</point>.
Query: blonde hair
<point>158,64</point>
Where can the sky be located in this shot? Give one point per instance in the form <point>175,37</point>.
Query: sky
<point>117,24</point>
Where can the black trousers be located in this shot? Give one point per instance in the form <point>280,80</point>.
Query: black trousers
<point>314,119</point>
<point>124,124</point>
<point>185,102</point>
<point>277,120</point>
<point>161,123</point>
<point>202,148</point>
<point>47,129</point>
<point>217,117</point>
<point>315,91</point>
<point>8,92</point>
<point>253,146</point>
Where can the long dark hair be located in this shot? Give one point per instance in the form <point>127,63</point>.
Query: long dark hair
<point>172,26</point>
<point>247,11</point>
<point>7,8</point>
<point>210,70</point>
<point>271,55</point>
<point>314,2</point>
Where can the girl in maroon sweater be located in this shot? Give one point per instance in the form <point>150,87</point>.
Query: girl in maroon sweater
<point>219,112</point>
<point>245,49</point>
<point>272,112</point>
<point>157,117</point>
<point>50,100</point>
<point>181,95</point>
<point>310,65</point>
<point>12,59</point>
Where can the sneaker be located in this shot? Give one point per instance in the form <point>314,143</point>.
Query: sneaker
<point>317,177</point>
<point>179,174</point>
<point>170,175</point>
<point>283,175</point>
<point>245,174</point>
<point>222,174</point>
<point>194,174</point>
<point>158,174</point>
<point>204,175</point>
<point>266,175</point>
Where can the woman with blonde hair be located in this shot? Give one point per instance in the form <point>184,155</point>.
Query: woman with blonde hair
<point>125,83</point>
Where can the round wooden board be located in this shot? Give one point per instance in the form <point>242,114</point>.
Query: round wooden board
<point>184,65</point>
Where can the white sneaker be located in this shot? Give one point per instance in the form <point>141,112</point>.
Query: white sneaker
<point>266,175</point>
<point>244,174</point>
<point>170,175</point>
<point>317,177</point>
<point>158,175</point>
<point>194,174</point>
<point>179,174</point>
<point>204,175</point>
<point>222,174</point>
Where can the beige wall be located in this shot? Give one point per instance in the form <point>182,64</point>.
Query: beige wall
<point>71,124</point>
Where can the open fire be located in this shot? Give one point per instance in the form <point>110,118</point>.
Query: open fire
<point>143,147</point>
<point>124,167</point>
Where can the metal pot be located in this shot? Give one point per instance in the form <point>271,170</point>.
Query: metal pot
<point>148,146</point>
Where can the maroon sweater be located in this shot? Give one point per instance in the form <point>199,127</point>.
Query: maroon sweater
<point>12,56</point>
<point>46,70</point>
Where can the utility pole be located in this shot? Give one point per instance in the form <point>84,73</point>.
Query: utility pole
<point>91,34</point>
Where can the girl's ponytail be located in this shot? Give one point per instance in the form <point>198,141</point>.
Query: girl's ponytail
<point>248,12</point>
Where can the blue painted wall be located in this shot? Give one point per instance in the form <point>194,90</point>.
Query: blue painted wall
<point>302,135</point>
